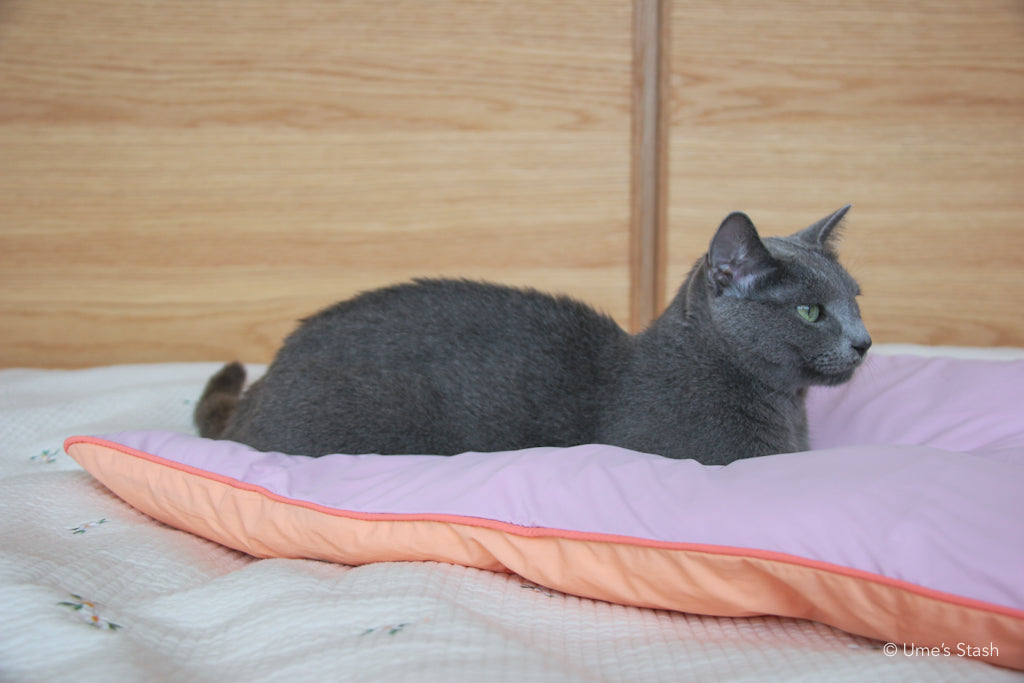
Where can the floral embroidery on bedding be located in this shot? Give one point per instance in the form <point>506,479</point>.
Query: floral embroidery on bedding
<point>85,526</point>
<point>391,629</point>
<point>539,589</point>
<point>89,613</point>
<point>48,456</point>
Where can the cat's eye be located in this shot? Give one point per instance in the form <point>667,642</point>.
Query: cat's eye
<point>809,313</point>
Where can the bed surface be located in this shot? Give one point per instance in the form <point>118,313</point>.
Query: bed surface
<point>93,589</point>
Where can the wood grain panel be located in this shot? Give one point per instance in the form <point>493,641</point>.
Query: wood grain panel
<point>182,181</point>
<point>912,111</point>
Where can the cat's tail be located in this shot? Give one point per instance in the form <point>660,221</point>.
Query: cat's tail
<point>219,399</point>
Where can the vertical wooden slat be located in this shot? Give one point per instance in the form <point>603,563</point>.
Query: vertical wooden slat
<point>649,197</point>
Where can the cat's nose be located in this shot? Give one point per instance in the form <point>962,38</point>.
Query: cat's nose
<point>861,346</point>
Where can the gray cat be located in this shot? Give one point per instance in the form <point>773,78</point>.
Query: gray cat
<point>447,366</point>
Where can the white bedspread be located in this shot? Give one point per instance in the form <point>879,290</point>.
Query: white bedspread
<point>90,589</point>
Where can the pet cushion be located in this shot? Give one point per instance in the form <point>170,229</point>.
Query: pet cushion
<point>902,525</point>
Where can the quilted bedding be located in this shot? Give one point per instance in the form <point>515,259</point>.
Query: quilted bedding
<point>94,589</point>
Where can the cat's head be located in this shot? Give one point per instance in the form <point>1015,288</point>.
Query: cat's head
<point>785,305</point>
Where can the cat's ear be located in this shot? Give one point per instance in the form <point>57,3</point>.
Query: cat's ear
<point>824,233</point>
<point>737,258</point>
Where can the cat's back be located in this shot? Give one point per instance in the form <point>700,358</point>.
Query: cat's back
<point>442,315</point>
<point>436,366</point>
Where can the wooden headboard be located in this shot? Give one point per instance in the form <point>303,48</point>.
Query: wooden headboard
<point>182,181</point>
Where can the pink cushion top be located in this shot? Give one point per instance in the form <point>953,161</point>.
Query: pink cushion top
<point>948,403</point>
<point>868,508</point>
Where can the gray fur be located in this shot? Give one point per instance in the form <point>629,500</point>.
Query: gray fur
<point>447,366</point>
